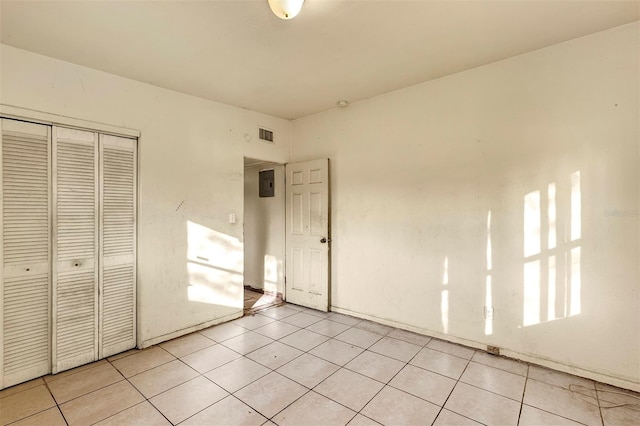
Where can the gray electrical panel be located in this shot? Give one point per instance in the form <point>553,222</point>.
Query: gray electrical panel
<point>267,184</point>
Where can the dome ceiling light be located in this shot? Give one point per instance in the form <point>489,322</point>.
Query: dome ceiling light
<point>286,9</point>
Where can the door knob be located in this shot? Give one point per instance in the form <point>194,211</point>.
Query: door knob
<point>324,240</point>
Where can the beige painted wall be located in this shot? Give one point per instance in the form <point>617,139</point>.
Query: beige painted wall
<point>264,231</point>
<point>191,161</point>
<point>417,172</point>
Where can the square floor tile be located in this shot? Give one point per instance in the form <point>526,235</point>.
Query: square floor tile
<point>483,406</point>
<point>302,319</point>
<point>378,367</point>
<point>99,405</point>
<point>270,394</point>
<point>494,380</point>
<point>440,362</point>
<point>187,399</point>
<point>308,370</point>
<point>563,402</point>
<point>143,414</point>
<point>563,380</point>
<point>21,387</point>
<point>295,307</point>
<point>337,352</point>
<point>26,403</point>
<point>611,395</point>
<point>410,337</point>
<point>159,379</point>
<point>237,374</point>
<point>361,338</point>
<point>142,361</point>
<point>392,406</point>
<point>506,364</point>
<point>360,420</point>
<point>621,416</point>
<point>229,411</point>
<point>424,384</point>
<point>451,348</point>
<point>123,354</point>
<point>345,319</point>
<point>222,332</point>
<point>86,381</point>
<point>247,342</point>
<point>186,345</point>
<point>50,417</point>
<point>251,322</point>
<point>531,416</point>
<point>274,355</point>
<point>53,377</point>
<point>209,358</point>
<point>350,389</point>
<point>304,339</point>
<point>277,330</point>
<point>374,327</point>
<point>314,409</point>
<point>397,349</point>
<point>448,418</point>
<point>278,312</point>
<point>328,328</point>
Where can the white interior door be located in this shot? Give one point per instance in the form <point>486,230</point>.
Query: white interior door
<point>75,248</point>
<point>25,327</point>
<point>117,244</point>
<point>307,240</point>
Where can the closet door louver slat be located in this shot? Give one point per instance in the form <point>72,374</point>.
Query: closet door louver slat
<point>75,236</point>
<point>118,244</point>
<point>25,296</point>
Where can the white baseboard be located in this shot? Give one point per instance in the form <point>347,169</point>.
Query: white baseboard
<point>163,338</point>
<point>530,358</point>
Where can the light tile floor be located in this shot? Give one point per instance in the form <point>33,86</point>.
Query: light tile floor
<point>292,366</point>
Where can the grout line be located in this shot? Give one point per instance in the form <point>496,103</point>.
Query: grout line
<point>599,405</point>
<point>524,390</point>
<point>453,388</point>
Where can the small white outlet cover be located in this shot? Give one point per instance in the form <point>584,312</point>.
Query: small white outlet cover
<point>232,218</point>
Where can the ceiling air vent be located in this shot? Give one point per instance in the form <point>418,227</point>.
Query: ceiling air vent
<point>265,135</point>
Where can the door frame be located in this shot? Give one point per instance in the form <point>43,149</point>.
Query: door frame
<point>267,164</point>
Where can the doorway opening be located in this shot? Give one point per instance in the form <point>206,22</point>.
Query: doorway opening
<point>263,234</point>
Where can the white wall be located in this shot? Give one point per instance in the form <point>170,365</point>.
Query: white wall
<point>415,174</point>
<point>191,160</point>
<point>264,231</point>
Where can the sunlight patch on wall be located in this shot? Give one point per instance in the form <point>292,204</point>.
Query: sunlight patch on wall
<point>488,290</point>
<point>444,297</point>
<point>576,207</point>
<point>551,271</point>
<point>214,267</point>
<point>575,307</point>
<point>532,223</point>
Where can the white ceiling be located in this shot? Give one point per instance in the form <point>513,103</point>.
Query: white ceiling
<point>239,53</point>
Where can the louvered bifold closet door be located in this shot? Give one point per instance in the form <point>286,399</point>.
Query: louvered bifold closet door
<point>25,326</point>
<point>118,244</point>
<point>75,248</point>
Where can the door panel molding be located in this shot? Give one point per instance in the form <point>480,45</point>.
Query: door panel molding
<point>307,234</point>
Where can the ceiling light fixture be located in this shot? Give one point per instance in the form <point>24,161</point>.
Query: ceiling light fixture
<point>285,9</point>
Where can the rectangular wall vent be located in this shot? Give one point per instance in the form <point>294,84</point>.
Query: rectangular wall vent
<point>265,135</point>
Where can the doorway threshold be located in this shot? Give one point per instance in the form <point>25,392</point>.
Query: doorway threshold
<point>256,300</point>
